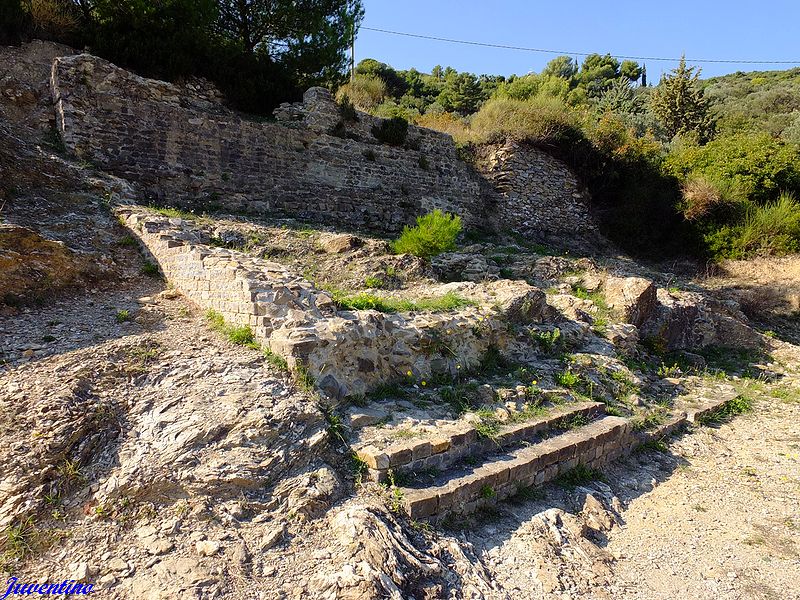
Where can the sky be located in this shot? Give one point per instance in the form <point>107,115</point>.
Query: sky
<point>733,30</point>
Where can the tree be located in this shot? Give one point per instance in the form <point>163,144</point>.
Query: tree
<point>310,37</point>
<point>462,93</point>
<point>631,70</point>
<point>561,66</point>
<point>621,98</point>
<point>680,104</point>
<point>396,84</point>
<point>598,73</point>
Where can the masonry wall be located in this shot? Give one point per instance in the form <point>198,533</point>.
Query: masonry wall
<point>181,146</point>
<point>536,195</point>
<point>346,352</point>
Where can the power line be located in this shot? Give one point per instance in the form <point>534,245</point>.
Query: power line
<point>572,53</point>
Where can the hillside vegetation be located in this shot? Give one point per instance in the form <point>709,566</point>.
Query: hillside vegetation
<point>710,167</point>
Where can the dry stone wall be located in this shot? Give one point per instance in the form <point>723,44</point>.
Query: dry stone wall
<point>181,146</point>
<point>537,195</point>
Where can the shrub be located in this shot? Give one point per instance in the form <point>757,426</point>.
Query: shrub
<point>53,18</point>
<point>365,92</point>
<point>392,131</point>
<point>346,109</point>
<point>445,122</point>
<point>759,166</point>
<point>434,233</point>
<point>772,229</point>
<point>539,119</point>
<point>704,199</point>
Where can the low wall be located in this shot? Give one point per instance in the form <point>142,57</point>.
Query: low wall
<point>347,352</point>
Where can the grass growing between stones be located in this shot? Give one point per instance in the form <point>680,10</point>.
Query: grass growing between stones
<point>240,335</point>
<point>579,475</point>
<point>369,301</point>
<point>733,407</point>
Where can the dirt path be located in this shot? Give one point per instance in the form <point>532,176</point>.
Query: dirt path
<point>726,523</point>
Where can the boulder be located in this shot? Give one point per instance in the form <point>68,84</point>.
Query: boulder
<point>519,302</point>
<point>634,298</point>
<point>339,243</point>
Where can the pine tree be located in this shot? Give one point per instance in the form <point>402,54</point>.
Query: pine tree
<point>680,105</point>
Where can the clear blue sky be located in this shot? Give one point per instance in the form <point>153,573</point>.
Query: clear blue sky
<point>762,30</point>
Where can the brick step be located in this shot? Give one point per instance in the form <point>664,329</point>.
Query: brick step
<point>441,452</point>
<point>464,489</point>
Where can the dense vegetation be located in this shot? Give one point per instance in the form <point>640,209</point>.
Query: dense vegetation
<point>259,52</point>
<point>710,167</point>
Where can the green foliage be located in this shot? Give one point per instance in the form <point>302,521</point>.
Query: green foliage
<point>276,360</point>
<point>150,269</point>
<point>239,335</point>
<point>365,91</point>
<point>755,166</point>
<point>579,475</point>
<point>122,316</point>
<point>367,301</point>
<point>392,131</point>
<point>680,104</point>
<point>728,410</point>
<point>434,233</point>
<point>539,119</point>
<point>567,378</point>
<point>763,101</point>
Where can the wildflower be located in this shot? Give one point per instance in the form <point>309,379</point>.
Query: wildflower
<point>409,373</point>
<point>424,383</point>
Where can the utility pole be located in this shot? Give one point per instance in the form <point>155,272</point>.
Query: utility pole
<point>352,55</point>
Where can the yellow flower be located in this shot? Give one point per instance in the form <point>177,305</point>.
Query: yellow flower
<point>409,373</point>
<point>424,383</point>
<point>534,382</point>
<point>458,366</point>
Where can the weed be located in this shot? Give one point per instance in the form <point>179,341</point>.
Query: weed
<point>366,301</point>
<point>405,434</point>
<point>392,131</point>
<point>20,539</point>
<point>303,378</point>
<point>664,371</point>
<point>549,341</point>
<point>276,360</point>
<point>335,424</point>
<point>389,389</point>
<point>488,425</point>
<point>567,379</point>
<point>652,419</point>
<point>359,468</point>
<point>150,269</point>
<point>369,154</point>
<point>424,163</point>
<point>658,445</point>
<point>173,213</point>
<point>434,233</point>
<point>735,406</point>
<point>127,240</point>
<point>526,493</point>
<point>579,475</point>
<point>122,316</point>
<point>71,473</point>
<point>239,335</point>
<point>487,492</point>
<point>373,282</point>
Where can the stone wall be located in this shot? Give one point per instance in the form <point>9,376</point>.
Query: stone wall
<point>537,195</point>
<point>346,352</point>
<point>183,147</point>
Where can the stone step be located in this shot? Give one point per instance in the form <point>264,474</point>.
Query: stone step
<point>440,453</point>
<point>465,489</point>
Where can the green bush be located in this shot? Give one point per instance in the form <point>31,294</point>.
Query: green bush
<point>392,131</point>
<point>365,92</point>
<point>758,166</point>
<point>773,228</point>
<point>434,233</point>
<point>538,119</point>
